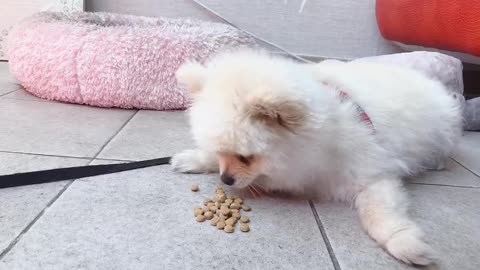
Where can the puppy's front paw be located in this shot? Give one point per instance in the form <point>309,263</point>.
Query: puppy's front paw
<point>190,161</point>
<point>408,247</point>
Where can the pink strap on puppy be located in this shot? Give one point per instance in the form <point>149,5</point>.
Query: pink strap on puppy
<point>361,112</point>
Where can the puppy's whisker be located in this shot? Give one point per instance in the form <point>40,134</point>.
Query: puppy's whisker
<point>257,192</point>
<point>250,192</point>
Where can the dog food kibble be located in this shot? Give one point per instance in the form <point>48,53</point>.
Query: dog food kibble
<point>244,219</point>
<point>223,211</point>
<point>221,198</point>
<point>238,201</point>
<point>246,208</point>
<point>197,212</point>
<point>244,227</point>
<point>214,221</point>
<point>225,204</point>
<point>194,188</point>
<point>208,215</point>
<point>221,225</point>
<point>200,218</point>
<point>228,229</point>
<point>230,221</point>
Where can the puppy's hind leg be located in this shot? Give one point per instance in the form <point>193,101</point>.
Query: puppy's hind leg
<point>382,208</point>
<point>194,161</point>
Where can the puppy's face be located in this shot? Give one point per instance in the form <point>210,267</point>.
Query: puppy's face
<point>242,111</point>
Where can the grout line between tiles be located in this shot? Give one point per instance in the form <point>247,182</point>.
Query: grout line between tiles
<point>441,185</point>
<point>115,135</point>
<point>63,156</point>
<point>58,195</point>
<point>119,160</point>
<point>465,167</point>
<point>27,99</point>
<point>44,155</point>
<point>25,230</point>
<point>4,94</point>
<point>331,253</point>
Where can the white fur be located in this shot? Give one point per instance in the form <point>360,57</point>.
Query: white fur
<point>416,124</point>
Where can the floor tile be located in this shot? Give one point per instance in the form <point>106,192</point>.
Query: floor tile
<point>468,153</point>
<point>24,95</point>
<point>20,205</point>
<point>449,216</point>
<point>144,220</point>
<point>7,82</point>
<point>57,129</point>
<point>454,175</point>
<point>150,134</point>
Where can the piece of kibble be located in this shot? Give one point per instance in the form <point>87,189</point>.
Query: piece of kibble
<point>225,211</point>
<point>221,197</point>
<point>197,212</point>
<point>213,209</point>
<point>228,229</point>
<point>206,201</point>
<point>246,208</point>
<point>244,227</point>
<point>244,219</point>
<point>205,209</point>
<point>229,201</point>
<point>208,215</point>
<point>234,210</point>
<point>231,221</point>
<point>214,221</point>
<point>238,201</point>
<point>236,215</point>
<point>218,204</point>
<point>194,188</point>
<point>221,225</point>
<point>235,206</point>
<point>200,218</point>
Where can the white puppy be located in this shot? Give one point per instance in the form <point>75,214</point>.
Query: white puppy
<point>265,120</point>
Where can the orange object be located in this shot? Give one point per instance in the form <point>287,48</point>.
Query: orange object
<point>452,25</point>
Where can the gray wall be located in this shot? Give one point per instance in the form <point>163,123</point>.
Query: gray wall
<point>326,28</point>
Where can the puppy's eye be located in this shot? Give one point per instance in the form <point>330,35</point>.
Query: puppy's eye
<point>245,159</point>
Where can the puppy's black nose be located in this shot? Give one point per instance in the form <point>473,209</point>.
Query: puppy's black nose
<point>227,179</point>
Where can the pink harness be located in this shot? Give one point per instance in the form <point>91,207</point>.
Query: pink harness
<point>361,112</point>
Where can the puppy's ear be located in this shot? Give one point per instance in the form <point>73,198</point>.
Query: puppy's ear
<point>277,113</point>
<point>191,75</point>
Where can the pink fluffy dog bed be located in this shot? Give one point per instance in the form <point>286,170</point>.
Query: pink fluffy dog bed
<point>112,60</point>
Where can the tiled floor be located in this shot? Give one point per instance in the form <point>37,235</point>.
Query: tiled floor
<point>142,219</point>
